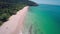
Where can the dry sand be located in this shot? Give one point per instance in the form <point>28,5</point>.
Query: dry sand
<point>15,23</point>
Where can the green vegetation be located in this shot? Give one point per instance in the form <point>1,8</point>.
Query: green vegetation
<point>8,10</point>
<point>10,7</point>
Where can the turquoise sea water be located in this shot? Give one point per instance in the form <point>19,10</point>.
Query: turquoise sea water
<point>44,19</point>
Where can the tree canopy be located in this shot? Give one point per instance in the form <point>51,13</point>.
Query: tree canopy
<point>10,7</point>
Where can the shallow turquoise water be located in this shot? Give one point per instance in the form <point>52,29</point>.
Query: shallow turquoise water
<point>45,19</point>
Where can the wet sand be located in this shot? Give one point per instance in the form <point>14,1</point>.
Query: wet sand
<point>15,23</point>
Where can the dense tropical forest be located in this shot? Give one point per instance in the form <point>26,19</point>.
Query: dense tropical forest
<point>10,7</point>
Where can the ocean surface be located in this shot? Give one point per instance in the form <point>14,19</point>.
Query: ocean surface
<point>43,19</point>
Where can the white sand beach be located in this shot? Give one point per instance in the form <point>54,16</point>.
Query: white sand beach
<point>15,23</point>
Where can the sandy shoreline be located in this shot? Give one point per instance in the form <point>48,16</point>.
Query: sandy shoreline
<point>15,23</point>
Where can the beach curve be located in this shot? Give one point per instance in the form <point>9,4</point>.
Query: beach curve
<point>15,23</point>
